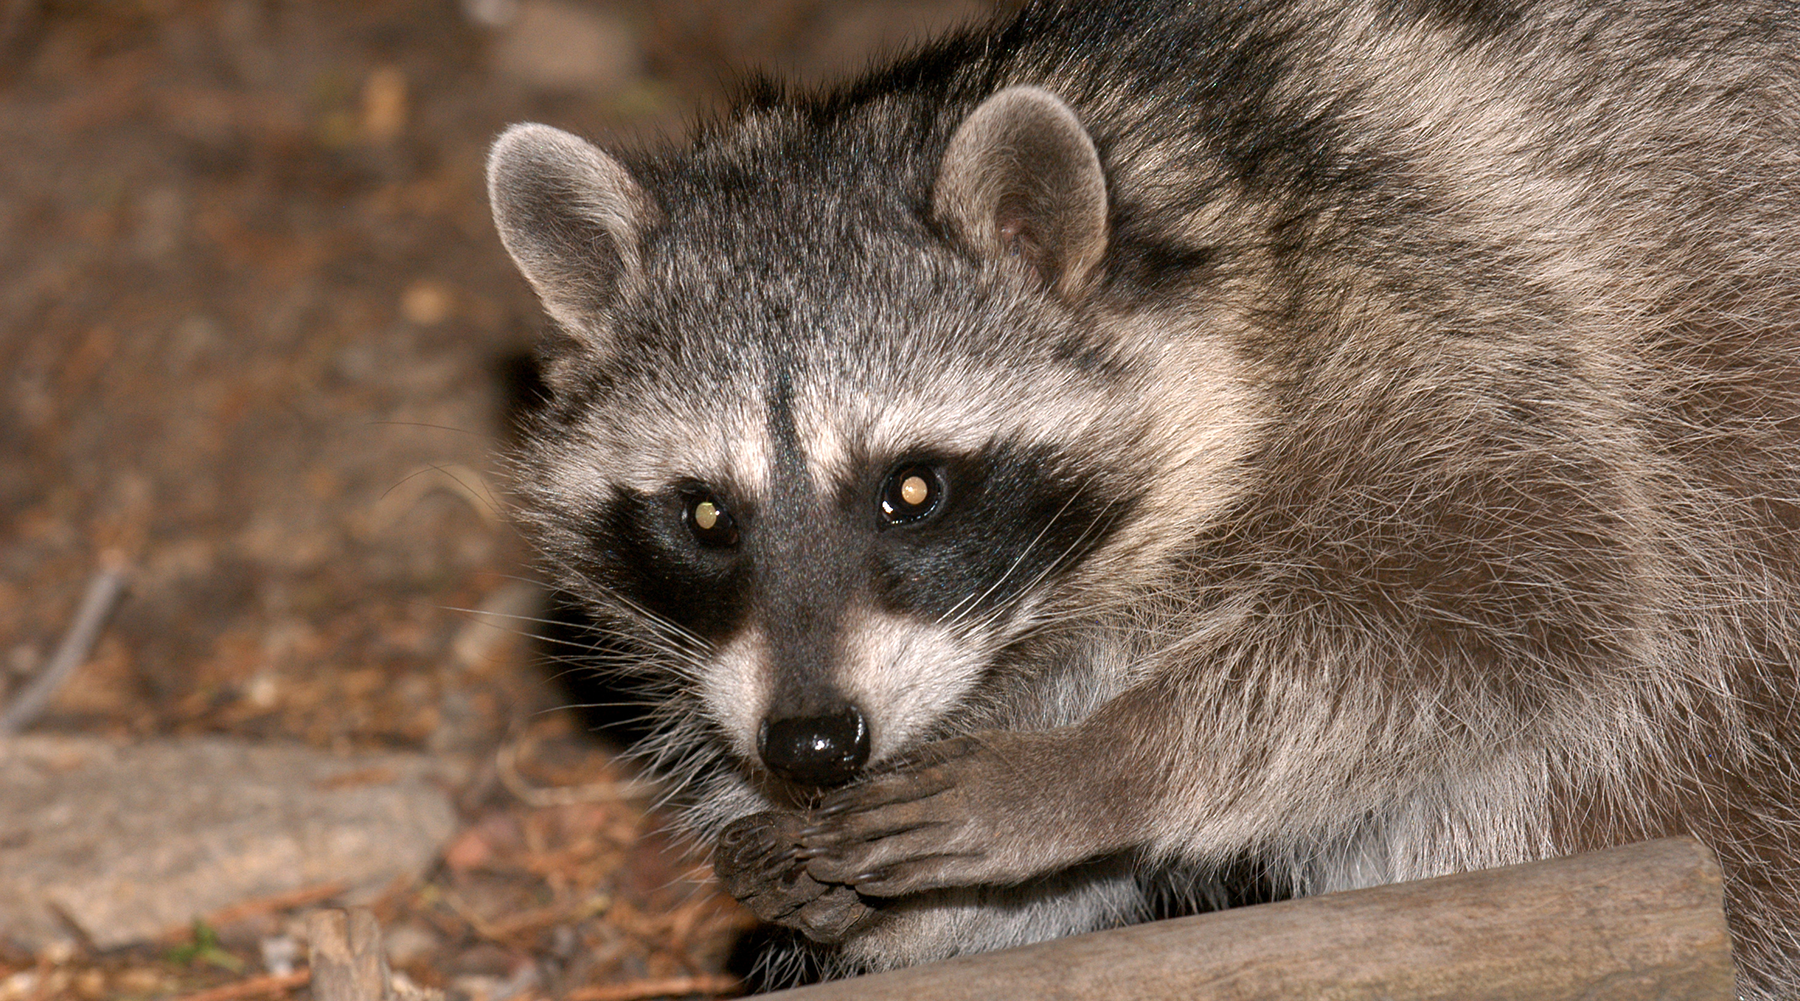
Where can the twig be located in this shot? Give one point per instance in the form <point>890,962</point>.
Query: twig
<point>103,593</point>
<point>305,896</point>
<point>642,990</point>
<point>255,987</point>
<point>506,761</point>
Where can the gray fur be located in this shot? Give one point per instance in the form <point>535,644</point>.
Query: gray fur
<point>1401,477</point>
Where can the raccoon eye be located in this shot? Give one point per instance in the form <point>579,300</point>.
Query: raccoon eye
<point>910,494</point>
<point>709,522</point>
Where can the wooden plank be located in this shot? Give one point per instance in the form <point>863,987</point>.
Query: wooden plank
<point>1628,924</point>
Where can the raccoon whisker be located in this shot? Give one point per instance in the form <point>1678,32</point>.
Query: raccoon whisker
<point>592,628</point>
<point>613,704</point>
<point>951,615</point>
<point>1012,603</point>
<point>639,643</point>
<point>683,747</point>
<point>661,625</point>
<point>664,631</point>
<point>426,424</point>
<point>599,656</point>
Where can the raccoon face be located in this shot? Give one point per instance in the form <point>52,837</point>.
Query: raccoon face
<point>838,475</point>
<point>845,535</point>
<point>845,612</point>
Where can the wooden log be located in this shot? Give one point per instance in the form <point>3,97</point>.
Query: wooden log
<point>348,963</point>
<point>1627,924</point>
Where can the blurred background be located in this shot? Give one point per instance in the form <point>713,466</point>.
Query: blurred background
<point>256,343</point>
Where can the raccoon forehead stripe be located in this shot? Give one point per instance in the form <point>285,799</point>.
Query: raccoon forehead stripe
<point>788,464</point>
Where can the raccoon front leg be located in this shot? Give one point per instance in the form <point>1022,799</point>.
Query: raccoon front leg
<point>757,862</point>
<point>996,808</point>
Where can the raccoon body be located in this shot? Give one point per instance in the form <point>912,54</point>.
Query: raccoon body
<point>1132,444</point>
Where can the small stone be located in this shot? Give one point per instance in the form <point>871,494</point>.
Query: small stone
<point>263,691</point>
<point>280,953</point>
<point>162,218</point>
<point>90,984</point>
<point>491,13</point>
<point>143,980</point>
<point>19,986</point>
<point>406,989</point>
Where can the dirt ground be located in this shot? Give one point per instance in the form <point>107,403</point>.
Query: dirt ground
<point>254,333</point>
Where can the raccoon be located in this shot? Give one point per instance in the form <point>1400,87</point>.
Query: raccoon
<point>1132,448</point>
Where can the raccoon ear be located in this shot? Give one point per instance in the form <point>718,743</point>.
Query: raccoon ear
<point>571,217</point>
<point>1021,179</point>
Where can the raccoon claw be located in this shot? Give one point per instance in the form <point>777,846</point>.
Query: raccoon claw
<point>906,870</point>
<point>911,777</point>
<point>924,874</point>
<point>757,860</point>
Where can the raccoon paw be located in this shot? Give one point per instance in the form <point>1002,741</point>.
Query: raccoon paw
<point>962,812</point>
<point>757,861</point>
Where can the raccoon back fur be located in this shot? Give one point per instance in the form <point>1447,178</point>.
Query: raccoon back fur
<point>1132,444</point>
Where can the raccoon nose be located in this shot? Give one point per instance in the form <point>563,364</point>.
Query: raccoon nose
<point>816,750</point>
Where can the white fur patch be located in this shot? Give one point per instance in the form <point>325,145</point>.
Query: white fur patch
<point>735,688</point>
<point>904,674</point>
